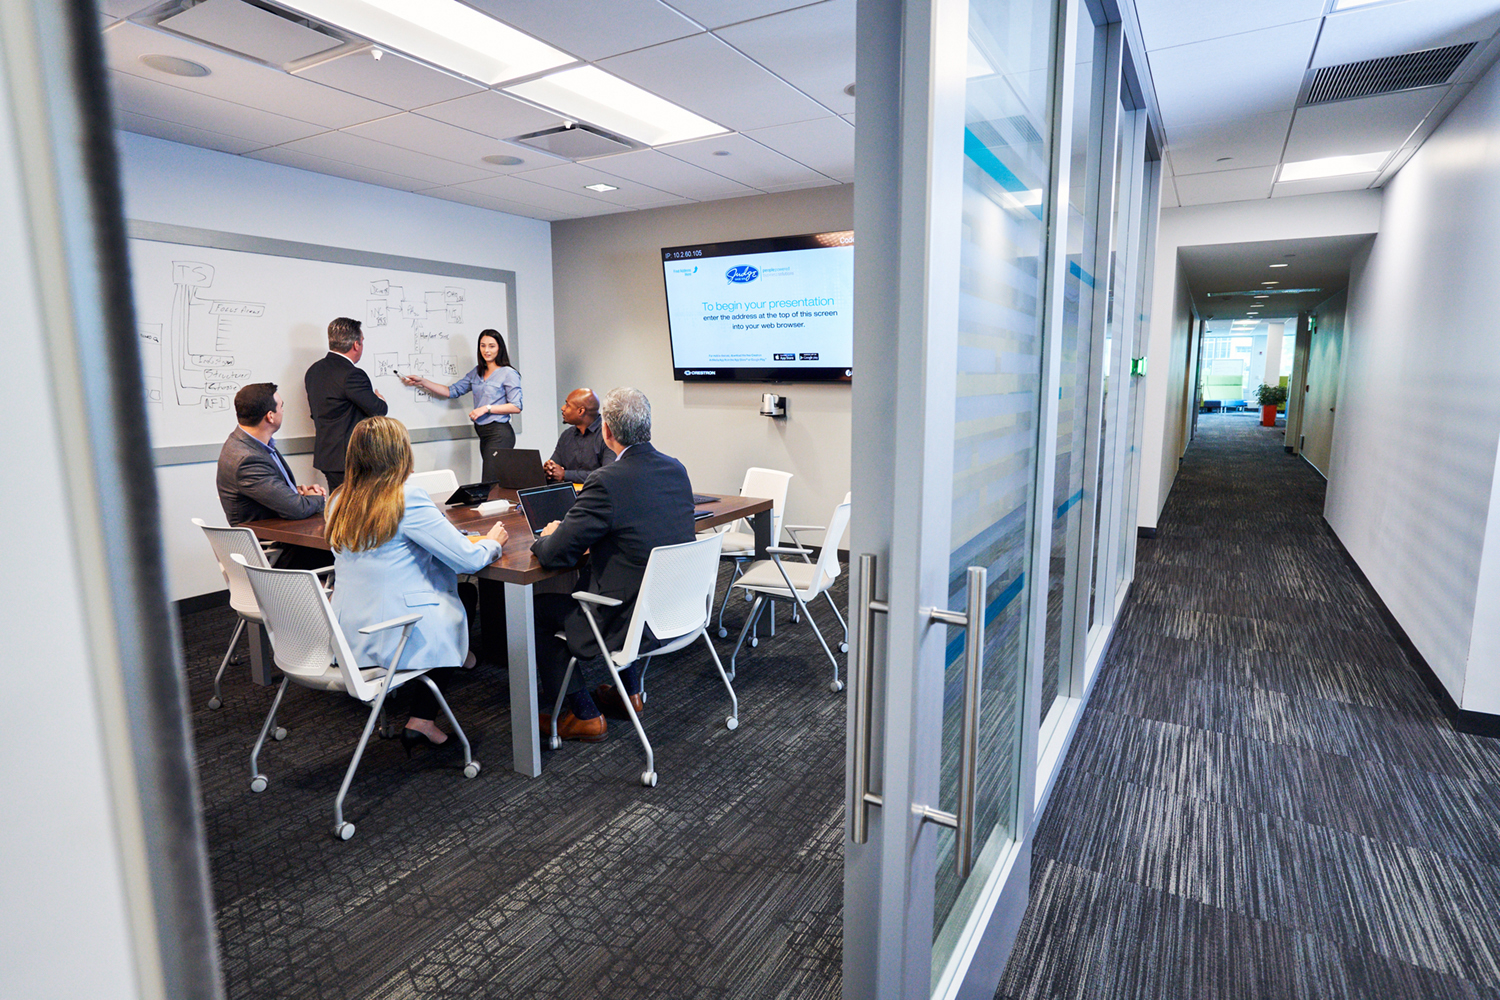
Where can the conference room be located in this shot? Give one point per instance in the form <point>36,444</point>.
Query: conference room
<point>266,189</point>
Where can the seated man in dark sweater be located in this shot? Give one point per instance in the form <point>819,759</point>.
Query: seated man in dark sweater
<point>581,449</point>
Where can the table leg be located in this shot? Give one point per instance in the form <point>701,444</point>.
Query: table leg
<point>761,525</point>
<point>525,741</point>
<point>262,663</point>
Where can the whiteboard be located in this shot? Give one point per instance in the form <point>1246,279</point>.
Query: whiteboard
<point>216,311</point>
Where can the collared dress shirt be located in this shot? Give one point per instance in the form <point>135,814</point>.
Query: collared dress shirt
<point>503,386</point>
<point>580,454</point>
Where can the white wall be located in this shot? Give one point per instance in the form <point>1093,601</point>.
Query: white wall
<point>611,319</point>
<point>187,186</point>
<point>1339,214</point>
<point>1414,448</point>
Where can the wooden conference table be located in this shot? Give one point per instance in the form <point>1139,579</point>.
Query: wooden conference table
<point>517,569</point>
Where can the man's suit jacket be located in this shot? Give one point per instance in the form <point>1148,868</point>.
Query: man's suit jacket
<point>252,487</point>
<point>627,508</point>
<point>340,396</point>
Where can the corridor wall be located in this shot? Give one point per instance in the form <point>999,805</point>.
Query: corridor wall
<point>1412,472</point>
<point>1325,367</point>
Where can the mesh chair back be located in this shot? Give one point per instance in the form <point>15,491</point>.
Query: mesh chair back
<point>677,591</point>
<point>305,637</point>
<point>767,483</point>
<point>828,556</point>
<point>440,484</point>
<point>226,543</point>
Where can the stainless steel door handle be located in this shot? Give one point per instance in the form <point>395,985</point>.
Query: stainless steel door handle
<point>972,620</point>
<point>867,607</point>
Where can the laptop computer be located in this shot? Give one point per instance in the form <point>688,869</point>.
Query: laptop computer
<point>519,468</point>
<point>544,504</point>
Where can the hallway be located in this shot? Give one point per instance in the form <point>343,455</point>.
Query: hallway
<point>1262,800</point>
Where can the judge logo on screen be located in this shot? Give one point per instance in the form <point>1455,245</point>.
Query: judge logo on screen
<point>742,274</point>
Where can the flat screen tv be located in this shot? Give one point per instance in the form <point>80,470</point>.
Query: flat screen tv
<point>766,310</point>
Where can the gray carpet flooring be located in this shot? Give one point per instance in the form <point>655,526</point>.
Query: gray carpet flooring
<point>726,880</point>
<point>1262,799</point>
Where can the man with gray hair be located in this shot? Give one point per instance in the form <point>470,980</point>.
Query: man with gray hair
<point>340,395</point>
<point>627,508</point>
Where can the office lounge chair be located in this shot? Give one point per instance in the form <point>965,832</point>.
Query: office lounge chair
<point>311,651</point>
<point>771,580</point>
<point>440,484</point>
<point>739,537</point>
<point>225,543</point>
<point>676,600</point>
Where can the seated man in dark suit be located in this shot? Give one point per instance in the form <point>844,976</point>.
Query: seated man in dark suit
<point>641,500</point>
<point>254,481</point>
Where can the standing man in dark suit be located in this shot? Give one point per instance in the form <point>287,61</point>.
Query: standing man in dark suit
<point>254,481</point>
<point>641,500</point>
<point>340,396</point>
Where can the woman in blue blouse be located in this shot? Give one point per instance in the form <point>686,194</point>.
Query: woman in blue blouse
<point>497,394</point>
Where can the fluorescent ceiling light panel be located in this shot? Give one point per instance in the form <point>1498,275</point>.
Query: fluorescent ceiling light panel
<point>1346,4</point>
<point>978,64</point>
<point>601,187</point>
<point>442,32</point>
<point>589,94</point>
<point>1333,166</point>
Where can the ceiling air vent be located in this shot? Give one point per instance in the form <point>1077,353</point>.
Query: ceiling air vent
<point>264,33</point>
<point>1014,131</point>
<point>575,141</point>
<point>1385,76</point>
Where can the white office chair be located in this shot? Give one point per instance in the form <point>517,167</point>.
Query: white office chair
<point>770,580</point>
<point>311,650</point>
<point>226,542</point>
<point>440,484</point>
<point>676,600</point>
<point>739,537</point>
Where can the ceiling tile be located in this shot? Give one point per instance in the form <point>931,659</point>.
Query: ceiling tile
<point>1322,185</point>
<point>812,48</point>
<point>748,161</point>
<point>1225,185</point>
<point>184,107</point>
<point>187,134</point>
<point>493,114</point>
<point>392,79</point>
<point>826,145</point>
<point>125,8</point>
<point>800,185</point>
<point>288,157</point>
<point>657,169</point>
<point>464,196</point>
<point>1393,28</point>
<point>1254,73</point>
<point>1255,141</point>
<point>1165,23</point>
<point>574,177</point>
<point>449,142</point>
<point>351,148</point>
<point>237,80</point>
<point>1366,125</point>
<point>717,13</point>
<point>706,76</point>
<point>570,204</point>
<point>593,29</point>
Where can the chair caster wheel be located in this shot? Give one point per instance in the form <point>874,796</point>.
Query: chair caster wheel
<point>723,633</point>
<point>643,696</point>
<point>648,778</point>
<point>835,686</point>
<point>731,723</point>
<point>279,734</point>
<point>236,659</point>
<point>214,702</point>
<point>258,783</point>
<point>554,742</point>
<point>754,642</point>
<point>796,619</point>
<point>344,831</point>
<point>843,647</point>
<point>471,769</point>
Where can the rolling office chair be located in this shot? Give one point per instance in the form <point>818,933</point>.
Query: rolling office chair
<point>226,542</point>
<point>311,651</point>
<point>771,580</point>
<point>739,537</point>
<point>676,599</point>
<point>440,484</point>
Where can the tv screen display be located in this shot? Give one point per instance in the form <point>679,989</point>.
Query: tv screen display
<point>766,310</point>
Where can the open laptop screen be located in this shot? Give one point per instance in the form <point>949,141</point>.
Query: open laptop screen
<point>545,504</point>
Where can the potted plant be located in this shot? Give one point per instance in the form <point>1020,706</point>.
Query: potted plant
<point>1269,397</point>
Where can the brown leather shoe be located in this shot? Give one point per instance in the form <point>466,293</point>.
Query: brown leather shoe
<point>571,727</point>
<point>608,700</point>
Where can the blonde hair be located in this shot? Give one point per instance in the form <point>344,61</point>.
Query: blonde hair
<point>366,510</point>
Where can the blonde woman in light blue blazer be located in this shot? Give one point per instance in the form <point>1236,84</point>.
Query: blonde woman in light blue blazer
<point>395,553</point>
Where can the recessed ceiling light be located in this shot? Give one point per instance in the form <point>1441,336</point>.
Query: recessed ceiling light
<point>721,152</point>
<point>502,160</point>
<point>1224,159</point>
<point>1281,265</point>
<point>1270,282</point>
<point>601,187</point>
<point>1263,296</point>
<point>1333,166</point>
<point>445,33</point>
<point>175,66</point>
<point>849,90</point>
<point>592,95</point>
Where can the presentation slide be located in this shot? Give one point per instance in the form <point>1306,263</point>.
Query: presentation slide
<point>774,309</point>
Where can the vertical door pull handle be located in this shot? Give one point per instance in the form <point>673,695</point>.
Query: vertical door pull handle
<point>866,608</point>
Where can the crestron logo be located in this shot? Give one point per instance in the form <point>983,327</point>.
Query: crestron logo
<point>694,371</point>
<point>742,274</point>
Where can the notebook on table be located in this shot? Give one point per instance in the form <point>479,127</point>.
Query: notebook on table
<point>544,504</point>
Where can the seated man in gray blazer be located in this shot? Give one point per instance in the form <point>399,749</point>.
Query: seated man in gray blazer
<point>254,481</point>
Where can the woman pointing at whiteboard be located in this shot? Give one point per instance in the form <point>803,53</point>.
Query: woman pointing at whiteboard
<point>497,394</point>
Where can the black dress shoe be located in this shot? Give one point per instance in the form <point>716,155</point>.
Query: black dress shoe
<point>412,738</point>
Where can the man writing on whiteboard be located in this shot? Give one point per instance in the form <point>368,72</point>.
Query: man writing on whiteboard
<point>340,396</point>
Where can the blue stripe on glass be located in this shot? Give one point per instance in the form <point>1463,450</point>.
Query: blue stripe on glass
<point>987,161</point>
<point>1068,504</point>
<point>1002,601</point>
<point>1080,273</point>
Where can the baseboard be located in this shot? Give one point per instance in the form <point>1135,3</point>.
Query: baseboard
<point>203,602</point>
<point>1472,723</point>
<point>1142,531</point>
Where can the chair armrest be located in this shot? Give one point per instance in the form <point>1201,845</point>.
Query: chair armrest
<point>323,570</point>
<point>803,527</point>
<point>608,602</point>
<point>411,619</point>
<point>788,550</point>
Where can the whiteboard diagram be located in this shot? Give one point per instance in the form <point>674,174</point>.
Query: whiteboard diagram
<point>211,320</point>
